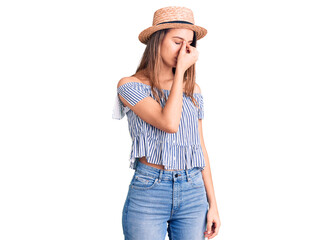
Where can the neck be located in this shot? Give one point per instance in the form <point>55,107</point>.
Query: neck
<point>165,74</point>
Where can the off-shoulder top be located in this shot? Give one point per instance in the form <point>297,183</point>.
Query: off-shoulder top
<point>180,150</point>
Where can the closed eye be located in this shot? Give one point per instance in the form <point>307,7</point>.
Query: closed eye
<point>177,43</point>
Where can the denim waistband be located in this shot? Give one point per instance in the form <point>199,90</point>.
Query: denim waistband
<point>167,175</point>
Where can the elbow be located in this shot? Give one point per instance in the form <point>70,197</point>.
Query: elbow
<point>172,128</point>
<point>170,124</point>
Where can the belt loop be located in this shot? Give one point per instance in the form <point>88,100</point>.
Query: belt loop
<point>135,163</point>
<point>187,175</point>
<point>160,177</point>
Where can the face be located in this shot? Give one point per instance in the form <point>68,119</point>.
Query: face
<point>172,43</point>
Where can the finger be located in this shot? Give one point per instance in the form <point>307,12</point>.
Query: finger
<point>211,230</point>
<point>215,231</point>
<point>211,235</point>
<point>188,47</point>
<point>214,234</point>
<point>209,227</point>
<point>208,235</point>
<point>184,46</point>
<point>187,44</point>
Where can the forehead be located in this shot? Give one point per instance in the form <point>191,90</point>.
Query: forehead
<point>184,33</point>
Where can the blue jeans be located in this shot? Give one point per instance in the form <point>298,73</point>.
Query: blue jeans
<point>160,201</point>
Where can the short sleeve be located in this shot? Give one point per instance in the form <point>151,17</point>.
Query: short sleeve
<point>133,92</point>
<point>119,110</point>
<point>201,106</point>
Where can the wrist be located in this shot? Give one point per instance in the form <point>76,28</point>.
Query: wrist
<point>212,205</point>
<point>179,77</point>
<point>180,70</point>
<point>213,208</point>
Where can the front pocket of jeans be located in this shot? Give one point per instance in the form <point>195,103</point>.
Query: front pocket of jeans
<point>143,182</point>
<point>142,179</point>
<point>197,181</point>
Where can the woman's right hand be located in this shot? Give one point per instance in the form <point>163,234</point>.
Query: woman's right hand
<point>187,56</point>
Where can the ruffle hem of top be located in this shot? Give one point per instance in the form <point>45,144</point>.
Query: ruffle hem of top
<point>145,146</point>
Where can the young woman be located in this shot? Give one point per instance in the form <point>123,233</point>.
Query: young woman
<point>171,189</point>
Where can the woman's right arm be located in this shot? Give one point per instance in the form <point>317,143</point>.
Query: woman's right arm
<point>149,110</point>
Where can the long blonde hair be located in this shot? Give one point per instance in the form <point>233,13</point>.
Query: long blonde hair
<point>151,60</point>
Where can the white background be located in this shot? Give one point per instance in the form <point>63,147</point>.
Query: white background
<point>265,71</point>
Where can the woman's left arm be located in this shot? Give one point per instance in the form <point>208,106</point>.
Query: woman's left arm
<point>213,219</point>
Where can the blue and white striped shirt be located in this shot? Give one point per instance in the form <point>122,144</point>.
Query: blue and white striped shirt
<point>180,150</point>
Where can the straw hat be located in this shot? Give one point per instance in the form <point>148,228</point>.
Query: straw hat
<point>172,17</point>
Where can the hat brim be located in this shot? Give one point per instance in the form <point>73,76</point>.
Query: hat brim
<point>145,34</point>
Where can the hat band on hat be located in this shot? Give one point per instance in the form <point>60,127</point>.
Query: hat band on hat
<point>175,22</point>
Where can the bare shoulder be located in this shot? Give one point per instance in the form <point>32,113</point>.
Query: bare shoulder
<point>197,89</point>
<point>127,79</point>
